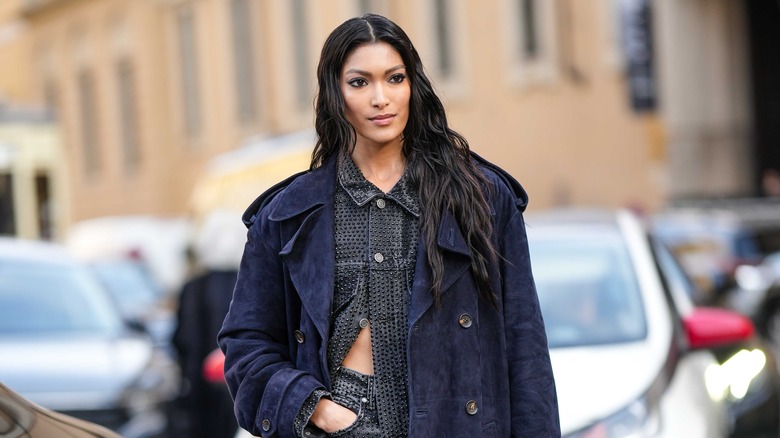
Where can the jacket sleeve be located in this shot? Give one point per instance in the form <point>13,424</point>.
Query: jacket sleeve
<point>267,389</point>
<point>534,403</point>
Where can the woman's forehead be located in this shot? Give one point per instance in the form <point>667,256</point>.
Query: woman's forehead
<point>378,55</point>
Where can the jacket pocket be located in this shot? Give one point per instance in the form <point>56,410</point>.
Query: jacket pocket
<point>490,430</point>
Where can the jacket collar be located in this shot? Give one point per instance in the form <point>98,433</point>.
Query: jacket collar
<point>362,191</point>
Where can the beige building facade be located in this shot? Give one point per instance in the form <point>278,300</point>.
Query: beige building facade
<point>147,92</point>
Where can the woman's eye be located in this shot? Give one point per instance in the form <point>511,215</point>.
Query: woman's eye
<point>397,79</point>
<point>357,82</point>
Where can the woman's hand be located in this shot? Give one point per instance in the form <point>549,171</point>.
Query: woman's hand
<point>331,416</point>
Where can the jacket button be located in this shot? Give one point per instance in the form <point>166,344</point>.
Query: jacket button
<point>465,320</point>
<point>379,257</point>
<point>471,407</point>
<point>380,203</point>
<point>266,424</point>
<point>299,336</point>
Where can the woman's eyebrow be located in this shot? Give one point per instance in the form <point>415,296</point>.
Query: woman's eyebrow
<point>392,69</point>
<point>365,73</point>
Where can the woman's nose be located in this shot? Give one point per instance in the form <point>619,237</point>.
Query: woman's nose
<point>379,99</point>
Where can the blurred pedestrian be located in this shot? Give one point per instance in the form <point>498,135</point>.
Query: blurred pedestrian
<point>387,292</point>
<point>206,410</point>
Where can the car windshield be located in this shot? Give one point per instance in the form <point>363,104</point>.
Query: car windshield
<point>587,289</point>
<point>36,297</point>
<point>128,283</point>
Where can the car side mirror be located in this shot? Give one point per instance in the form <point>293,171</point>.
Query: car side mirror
<point>707,327</point>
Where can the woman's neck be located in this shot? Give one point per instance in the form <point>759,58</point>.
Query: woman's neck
<point>383,167</point>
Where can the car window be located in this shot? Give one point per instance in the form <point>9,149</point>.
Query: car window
<point>128,283</point>
<point>587,290</point>
<point>38,298</point>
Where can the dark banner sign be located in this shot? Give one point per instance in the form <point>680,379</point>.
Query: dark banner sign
<point>637,36</point>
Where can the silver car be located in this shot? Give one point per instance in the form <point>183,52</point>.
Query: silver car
<point>65,346</point>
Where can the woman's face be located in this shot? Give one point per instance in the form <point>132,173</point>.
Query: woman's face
<point>376,94</point>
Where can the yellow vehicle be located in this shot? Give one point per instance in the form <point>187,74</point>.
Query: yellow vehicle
<point>234,179</point>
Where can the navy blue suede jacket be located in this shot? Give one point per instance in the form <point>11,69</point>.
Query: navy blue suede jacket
<point>476,369</point>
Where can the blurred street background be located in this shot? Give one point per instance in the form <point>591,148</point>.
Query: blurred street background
<point>133,133</point>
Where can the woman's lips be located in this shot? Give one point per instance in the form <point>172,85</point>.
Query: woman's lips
<point>382,119</point>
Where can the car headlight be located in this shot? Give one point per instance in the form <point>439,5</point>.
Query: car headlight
<point>142,395</point>
<point>156,384</point>
<point>639,419</point>
<point>733,378</point>
<point>143,401</point>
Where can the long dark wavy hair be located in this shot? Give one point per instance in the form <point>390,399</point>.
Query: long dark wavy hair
<point>439,160</point>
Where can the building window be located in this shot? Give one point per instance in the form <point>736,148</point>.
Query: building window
<point>7,213</point>
<point>244,60</point>
<point>445,26</point>
<point>44,203</point>
<point>128,114</point>
<point>529,42</point>
<point>609,25</point>
<point>189,71</point>
<point>532,51</point>
<point>303,68</point>
<point>443,35</point>
<point>444,46</point>
<point>89,125</point>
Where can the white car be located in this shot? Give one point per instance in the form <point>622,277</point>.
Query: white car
<point>630,353</point>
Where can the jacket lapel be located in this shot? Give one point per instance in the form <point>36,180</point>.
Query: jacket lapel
<point>456,258</point>
<point>307,221</point>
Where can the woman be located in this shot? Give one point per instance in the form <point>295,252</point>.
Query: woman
<point>387,292</point>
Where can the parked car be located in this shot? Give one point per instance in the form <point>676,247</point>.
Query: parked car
<point>65,346</point>
<point>726,246</point>
<point>21,418</point>
<point>713,237</point>
<point>138,296</point>
<point>632,355</point>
